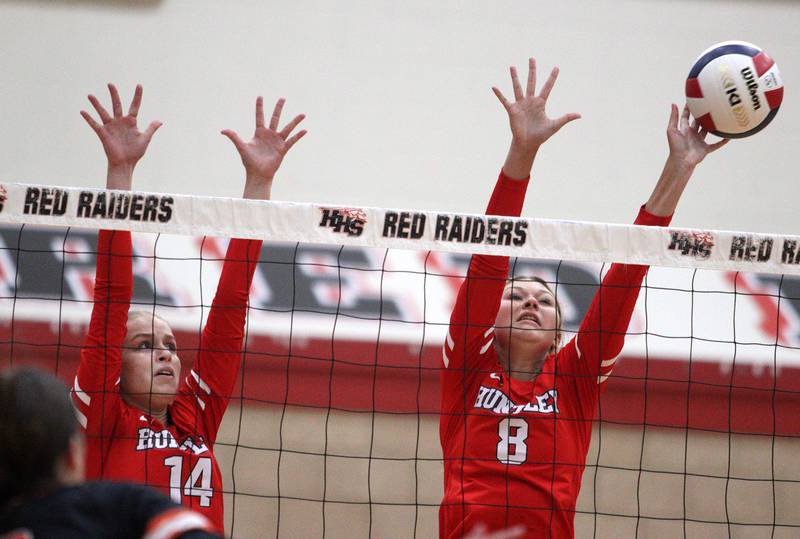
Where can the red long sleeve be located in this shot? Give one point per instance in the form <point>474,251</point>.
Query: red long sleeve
<point>95,392</point>
<point>602,332</point>
<point>211,381</point>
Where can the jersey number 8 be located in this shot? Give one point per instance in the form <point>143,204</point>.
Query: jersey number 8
<point>511,448</point>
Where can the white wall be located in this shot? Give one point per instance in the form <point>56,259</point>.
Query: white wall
<point>398,98</point>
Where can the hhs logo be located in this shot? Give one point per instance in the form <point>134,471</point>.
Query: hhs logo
<point>348,220</point>
<point>696,244</point>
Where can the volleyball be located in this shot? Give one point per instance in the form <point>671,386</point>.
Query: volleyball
<point>734,89</point>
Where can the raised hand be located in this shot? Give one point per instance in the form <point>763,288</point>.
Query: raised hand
<point>262,156</point>
<point>530,125</point>
<point>687,141</point>
<point>122,141</point>
<point>687,149</point>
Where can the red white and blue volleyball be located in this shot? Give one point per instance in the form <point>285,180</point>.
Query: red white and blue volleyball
<point>734,89</point>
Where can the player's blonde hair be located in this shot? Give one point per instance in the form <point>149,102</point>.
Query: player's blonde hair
<point>559,318</point>
<point>139,313</point>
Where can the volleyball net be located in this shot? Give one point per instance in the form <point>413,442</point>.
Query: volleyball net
<point>333,427</point>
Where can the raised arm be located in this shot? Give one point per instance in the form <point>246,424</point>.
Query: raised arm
<point>478,299</point>
<point>263,155</point>
<point>94,393</point>
<point>213,377</point>
<point>687,149</point>
<point>602,333</point>
<point>122,141</point>
<point>530,125</point>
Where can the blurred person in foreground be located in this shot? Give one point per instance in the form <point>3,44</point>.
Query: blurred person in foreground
<point>42,469</point>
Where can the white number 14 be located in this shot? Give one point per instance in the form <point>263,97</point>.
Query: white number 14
<point>198,484</point>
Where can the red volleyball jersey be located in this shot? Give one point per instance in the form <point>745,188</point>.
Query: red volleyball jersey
<point>514,451</point>
<point>125,444</point>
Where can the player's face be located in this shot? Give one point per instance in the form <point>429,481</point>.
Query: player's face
<point>151,369</point>
<point>528,314</point>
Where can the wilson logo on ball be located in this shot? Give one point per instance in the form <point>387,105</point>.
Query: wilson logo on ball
<point>734,89</point>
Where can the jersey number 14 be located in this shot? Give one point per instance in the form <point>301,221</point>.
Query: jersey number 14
<point>198,483</point>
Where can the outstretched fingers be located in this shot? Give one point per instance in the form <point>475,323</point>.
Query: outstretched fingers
<point>673,117</point>
<point>116,103</point>
<point>105,117</point>
<point>276,114</point>
<point>123,142</point>
<point>151,130</point>
<point>501,97</point>
<point>136,102</point>
<point>717,145</point>
<point>515,83</point>
<point>234,137</point>
<point>116,106</point>
<point>287,130</point>
<point>531,77</point>
<point>293,140</point>
<point>92,123</point>
<point>259,112</point>
<point>565,119</point>
<point>685,118</point>
<point>549,83</point>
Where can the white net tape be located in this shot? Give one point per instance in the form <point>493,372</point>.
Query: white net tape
<point>399,229</point>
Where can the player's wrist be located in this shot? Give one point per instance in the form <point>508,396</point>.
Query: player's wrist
<point>681,164</point>
<point>525,147</point>
<point>257,187</point>
<point>519,161</point>
<point>120,176</point>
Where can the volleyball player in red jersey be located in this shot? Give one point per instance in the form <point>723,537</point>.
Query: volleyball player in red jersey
<point>140,426</point>
<point>517,408</point>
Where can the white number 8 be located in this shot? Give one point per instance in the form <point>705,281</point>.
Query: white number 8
<point>511,448</point>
